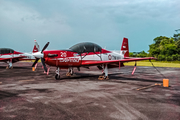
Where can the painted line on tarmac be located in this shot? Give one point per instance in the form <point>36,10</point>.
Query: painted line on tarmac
<point>25,80</point>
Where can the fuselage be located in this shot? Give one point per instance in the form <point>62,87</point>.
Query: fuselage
<point>68,58</point>
<point>16,56</point>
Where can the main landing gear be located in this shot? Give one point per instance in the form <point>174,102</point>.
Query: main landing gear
<point>105,73</point>
<point>9,65</point>
<point>70,72</point>
<point>57,76</point>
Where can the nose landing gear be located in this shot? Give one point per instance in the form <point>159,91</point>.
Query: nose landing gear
<point>57,76</point>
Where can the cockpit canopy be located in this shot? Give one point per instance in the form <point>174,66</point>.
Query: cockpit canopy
<point>6,51</point>
<point>85,47</point>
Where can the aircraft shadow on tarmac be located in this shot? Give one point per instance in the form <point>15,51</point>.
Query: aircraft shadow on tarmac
<point>4,94</point>
<point>111,76</point>
<point>23,67</point>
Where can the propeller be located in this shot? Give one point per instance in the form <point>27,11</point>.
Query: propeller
<point>37,59</point>
<point>39,55</point>
<point>45,47</point>
<point>44,65</point>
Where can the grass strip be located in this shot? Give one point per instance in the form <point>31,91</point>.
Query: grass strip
<point>156,64</point>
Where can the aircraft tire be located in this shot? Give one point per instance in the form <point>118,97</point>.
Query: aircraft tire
<point>57,77</point>
<point>72,73</point>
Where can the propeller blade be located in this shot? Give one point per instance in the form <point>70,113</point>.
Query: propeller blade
<point>44,65</point>
<point>35,62</point>
<point>45,47</point>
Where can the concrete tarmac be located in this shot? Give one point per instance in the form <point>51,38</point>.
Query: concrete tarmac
<point>33,95</point>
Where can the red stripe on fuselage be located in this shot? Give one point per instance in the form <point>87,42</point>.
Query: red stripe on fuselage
<point>67,58</point>
<point>15,52</point>
<point>64,53</point>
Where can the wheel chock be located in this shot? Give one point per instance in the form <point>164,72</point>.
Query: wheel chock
<point>68,74</point>
<point>101,78</point>
<point>107,78</point>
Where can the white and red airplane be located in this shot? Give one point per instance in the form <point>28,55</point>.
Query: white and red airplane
<point>84,55</point>
<point>10,56</point>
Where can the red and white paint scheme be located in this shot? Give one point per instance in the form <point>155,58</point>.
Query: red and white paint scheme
<point>10,56</point>
<point>84,55</point>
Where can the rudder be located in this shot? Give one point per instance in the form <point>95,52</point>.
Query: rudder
<point>125,48</point>
<point>36,47</point>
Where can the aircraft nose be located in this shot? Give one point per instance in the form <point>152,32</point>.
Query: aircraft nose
<point>38,55</point>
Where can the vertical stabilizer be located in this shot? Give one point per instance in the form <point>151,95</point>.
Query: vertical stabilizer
<point>36,47</point>
<point>125,48</point>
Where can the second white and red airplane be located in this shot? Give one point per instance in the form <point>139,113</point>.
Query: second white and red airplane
<point>11,56</point>
<point>84,55</point>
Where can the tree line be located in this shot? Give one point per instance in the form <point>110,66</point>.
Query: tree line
<point>164,48</point>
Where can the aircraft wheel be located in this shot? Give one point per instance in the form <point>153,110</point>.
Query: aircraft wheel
<point>57,77</point>
<point>72,73</point>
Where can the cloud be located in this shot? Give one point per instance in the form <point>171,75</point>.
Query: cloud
<point>146,9</point>
<point>64,22</point>
<point>25,19</point>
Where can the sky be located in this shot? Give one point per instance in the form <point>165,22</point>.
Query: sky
<point>64,23</point>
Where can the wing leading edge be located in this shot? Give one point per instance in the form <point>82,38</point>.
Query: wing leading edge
<point>91,63</point>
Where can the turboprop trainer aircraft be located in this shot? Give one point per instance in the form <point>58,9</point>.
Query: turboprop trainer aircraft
<point>84,55</point>
<point>10,56</point>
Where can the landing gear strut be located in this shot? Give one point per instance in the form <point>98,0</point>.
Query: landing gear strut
<point>70,72</point>
<point>9,65</point>
<point>105,73</point>
<point>57,76</point>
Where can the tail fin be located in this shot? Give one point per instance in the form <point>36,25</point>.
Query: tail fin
<point>125,48</point>
<point>36,47</point>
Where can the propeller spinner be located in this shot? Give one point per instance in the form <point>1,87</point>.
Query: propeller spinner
<point>39,55</point>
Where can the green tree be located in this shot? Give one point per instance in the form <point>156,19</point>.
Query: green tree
<point>176,37</point>
<point>154,50</point>
<point>130,54</point>
<point>175,57</point>
<point>179,57</point>
<point>178,46</point>
<point>169,58</point>
<point>177,40</point>
<point>161,57</point>
<point>142,54</point>
<point>171,49</point>
<point>163,46</point>
<point>158,40</point>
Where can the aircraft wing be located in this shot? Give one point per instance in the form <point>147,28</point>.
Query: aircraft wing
<point>5,59</point>
<point>91,63</point>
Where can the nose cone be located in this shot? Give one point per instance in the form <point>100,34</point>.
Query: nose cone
<point>38,55</point>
